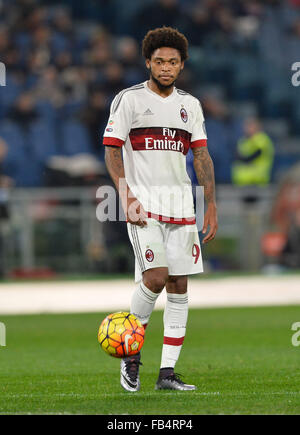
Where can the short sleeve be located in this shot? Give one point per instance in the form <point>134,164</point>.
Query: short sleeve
<point>199,138</point>
<point>119,123</point>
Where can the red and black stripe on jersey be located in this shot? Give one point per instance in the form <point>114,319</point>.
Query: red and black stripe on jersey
<point>158,138</point>
<point>163,139</point>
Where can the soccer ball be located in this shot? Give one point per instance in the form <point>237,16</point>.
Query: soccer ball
<point>121,334</point>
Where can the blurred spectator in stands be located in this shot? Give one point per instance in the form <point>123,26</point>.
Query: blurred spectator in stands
<point>24,111</point>
<point>296,28</point>
<point>9,53</point>
<point>36,62</point>
<point>4,39</point>
<point>94,116</point>
<point>223,131</point>
<point>200,24</point>
<point>185,80</point>
<point>48,88</point>
<point>74,81</point>
<point>114,78</point>
<point>41,38</point>
<point>225,20</point>
<point>63,26</point>
<point>63,60</point>
<point>127,51</point>
<point>273,3</point>
<point>295,3</point>
<point>293,43</point>
<point>99,52</point>
<point>254,157</point>
<point>128,54</point>
<point>13,61</point>
<point>224,28</point>
<point>286,217</point>
<point>156,14</point>
<point>5,182</point>
<point>59,60</point>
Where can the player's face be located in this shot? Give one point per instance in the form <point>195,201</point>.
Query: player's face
<point>165,66</point>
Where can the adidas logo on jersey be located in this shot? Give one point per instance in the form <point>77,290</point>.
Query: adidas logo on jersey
<point>148,112</point>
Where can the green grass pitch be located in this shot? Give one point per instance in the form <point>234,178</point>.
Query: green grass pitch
<point>241,359</point>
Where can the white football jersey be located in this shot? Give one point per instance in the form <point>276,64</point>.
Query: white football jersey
<point>156,134</point>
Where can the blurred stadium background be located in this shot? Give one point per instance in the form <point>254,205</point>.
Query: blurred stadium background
<point>65,61</point>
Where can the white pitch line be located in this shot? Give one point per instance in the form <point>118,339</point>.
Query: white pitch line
<point>115,295</point>
<point>154,393</point>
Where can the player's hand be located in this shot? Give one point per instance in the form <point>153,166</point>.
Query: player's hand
<point>211,221</point>
<point>136,214</point>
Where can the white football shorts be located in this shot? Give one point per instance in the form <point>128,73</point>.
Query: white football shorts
<point>161,244</point>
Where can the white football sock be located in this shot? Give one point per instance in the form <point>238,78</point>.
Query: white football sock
<point>142,303</point>
<point>175,319</point>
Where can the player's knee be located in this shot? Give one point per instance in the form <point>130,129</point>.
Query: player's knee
<point>158,283</point>
<point>155,280</point>
<point>177,284</point>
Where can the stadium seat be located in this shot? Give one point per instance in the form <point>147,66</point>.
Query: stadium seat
<point>27,154</point>
<point>220,149</point>
<point>60,43</point>
<point>30,173</point>
<point>283,162</point>
<point>218,65</point>
<point>46,111</point>
<point>42,140</point>
<point>295,113</point>
<point>12,135</point>
<point>244,109</point>
<point>278,129</point>
<point>12,164</point>
<point>9,94</point>
<point>75,138</point>
<point>246,79</point>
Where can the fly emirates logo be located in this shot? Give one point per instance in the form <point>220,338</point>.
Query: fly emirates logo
<point>160,139</point>
<point>168,142</point>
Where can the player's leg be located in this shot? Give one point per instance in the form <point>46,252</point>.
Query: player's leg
<point>146,293</point>
<point>151,268</point>
<point>184,258</point>
<point>151,274</point>
<point>142,304</point>
<point>175,320</point>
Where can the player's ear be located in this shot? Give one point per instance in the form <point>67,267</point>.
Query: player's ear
<point>182,66</point>
<point>147,63</point>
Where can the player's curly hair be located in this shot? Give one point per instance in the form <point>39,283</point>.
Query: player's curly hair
<point>165,37</point>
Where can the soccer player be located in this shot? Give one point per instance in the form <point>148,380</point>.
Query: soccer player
<point>155,124</point>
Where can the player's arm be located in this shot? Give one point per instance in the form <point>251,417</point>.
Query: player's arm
<point>116,132</point>
<point>115,167</point>
<point>133,210</point>
<point>204,170</point>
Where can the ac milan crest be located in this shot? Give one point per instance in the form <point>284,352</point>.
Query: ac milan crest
<point>183,114</point>
<point>149,255</point>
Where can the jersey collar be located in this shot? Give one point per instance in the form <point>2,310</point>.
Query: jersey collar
<point>162,99</point>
